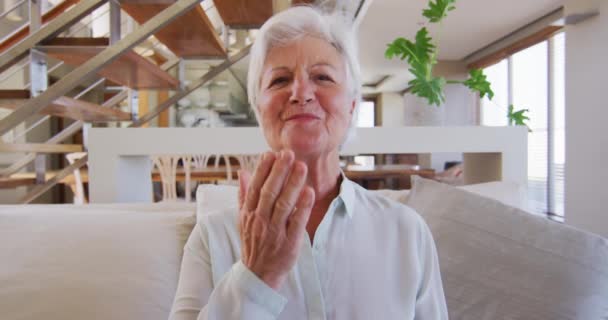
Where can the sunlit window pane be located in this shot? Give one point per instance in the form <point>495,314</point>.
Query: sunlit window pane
<point>530,91</point>
<point>366,118</point>
<point>366,114</point>
<point>494,112</point>
<point>559,123</point>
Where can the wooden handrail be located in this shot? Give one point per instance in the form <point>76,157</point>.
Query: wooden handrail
<point>520,45</point>
<point>24,31</point>
<point>40,147</point>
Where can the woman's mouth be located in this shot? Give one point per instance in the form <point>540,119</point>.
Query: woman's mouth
<point>302,117</point>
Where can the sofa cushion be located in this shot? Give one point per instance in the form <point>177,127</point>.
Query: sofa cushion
<point>91,262</point>
<point>221,197</point>
<point>499,262</point>
<point>509,193</point>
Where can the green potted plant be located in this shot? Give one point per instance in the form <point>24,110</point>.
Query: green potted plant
<point>421,55</point>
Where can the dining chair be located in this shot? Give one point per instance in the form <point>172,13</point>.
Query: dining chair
<point>201,162</point>
<point>248,162</point>
<point>167,168</point>
<point>77,185</point>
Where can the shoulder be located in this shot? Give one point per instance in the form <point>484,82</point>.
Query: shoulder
<point>220,230</point>
<point>378,204</point>
<point>377,209</point>
<point>219,224</point>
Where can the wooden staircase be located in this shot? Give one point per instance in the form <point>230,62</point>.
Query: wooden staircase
<point>182,26</point>
<point>65,107</point>
<point>244,14</point>
<point>190,36</point>
<point>130,69</point>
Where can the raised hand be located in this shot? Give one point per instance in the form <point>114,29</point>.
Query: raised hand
<point>274,208</point>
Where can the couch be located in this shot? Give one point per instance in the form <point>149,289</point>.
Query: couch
<point>121,261</point>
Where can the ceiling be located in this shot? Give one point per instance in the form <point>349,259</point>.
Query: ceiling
<point>473,25</point>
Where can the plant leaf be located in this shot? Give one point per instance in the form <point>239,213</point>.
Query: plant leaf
<point>431,89</point>
<point>517,118</point>
<point>438,10</point>
<point>478,82</point>
<point>423,45</point>
<point>418,52</point>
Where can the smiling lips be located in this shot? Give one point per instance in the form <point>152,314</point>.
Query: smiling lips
<point>302,117</point>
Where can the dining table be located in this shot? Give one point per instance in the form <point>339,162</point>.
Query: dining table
<point>363,174</point>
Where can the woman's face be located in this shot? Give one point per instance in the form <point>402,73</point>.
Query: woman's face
<point>304,104</point>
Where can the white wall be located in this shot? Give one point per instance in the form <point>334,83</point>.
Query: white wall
<point>587,118</point>
<point>121,172</point>
<point>458,110</point>
<point>392,109</point>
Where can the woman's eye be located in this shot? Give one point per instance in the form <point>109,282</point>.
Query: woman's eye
<point>279,80</point>
<point>324,77</point>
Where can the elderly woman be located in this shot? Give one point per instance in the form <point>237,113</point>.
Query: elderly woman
<point>307,243</point>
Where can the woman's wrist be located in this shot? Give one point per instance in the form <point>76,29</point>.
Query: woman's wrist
<point>271,279</point>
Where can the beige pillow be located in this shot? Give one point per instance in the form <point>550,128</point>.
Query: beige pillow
<point>91,262</point>
<point>509,193</point>
<point>499,262</point>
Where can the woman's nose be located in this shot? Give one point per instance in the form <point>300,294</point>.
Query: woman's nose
<point>302,91</point>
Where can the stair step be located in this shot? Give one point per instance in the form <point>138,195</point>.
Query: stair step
<point>190,36</point>
<point>78,41</point>
<point>22,179</point>
<point>40,147</point>
<point>85,111</point>
<point>244,13</point>
<point>130,69</point>
<point>24,31</point>
<point>70,108</point>
<point>16,94</point>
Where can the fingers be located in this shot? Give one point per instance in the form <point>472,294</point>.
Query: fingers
<point>244,178</point>
<point>286,201</point>
<point>271,189</point>
<point>299,218</point>
<point>257,181</point>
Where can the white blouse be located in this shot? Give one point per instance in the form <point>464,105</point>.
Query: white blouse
<point>372,258</point>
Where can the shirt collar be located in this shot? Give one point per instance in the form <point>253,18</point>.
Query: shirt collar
<point>347,195</point>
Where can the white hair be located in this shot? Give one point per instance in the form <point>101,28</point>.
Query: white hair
<point>294,23</point>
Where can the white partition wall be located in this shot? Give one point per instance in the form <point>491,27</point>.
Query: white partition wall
<point>119,163</point>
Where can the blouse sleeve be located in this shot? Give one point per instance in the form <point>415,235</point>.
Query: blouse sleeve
<point>240,294</point>
<point>430,300</point>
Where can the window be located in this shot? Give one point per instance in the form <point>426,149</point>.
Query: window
<point>366,119</point>
<point>493,112</point>
<point>534,79</point>
<point>367,114</point>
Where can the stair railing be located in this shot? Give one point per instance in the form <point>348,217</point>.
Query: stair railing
<point>11,9</point>
<point>74,127</point>
<point>211,74</point>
